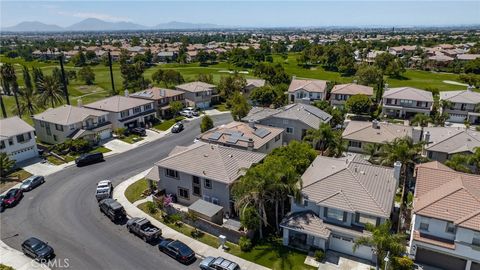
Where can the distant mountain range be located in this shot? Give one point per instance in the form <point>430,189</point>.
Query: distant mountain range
<point>92,24</point>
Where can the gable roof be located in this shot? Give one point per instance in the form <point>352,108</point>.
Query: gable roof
<point>452,140</point>
<point>352,89</point>
<point>386,132</point>
<point>305,113</point>
<point>67,114</point>
<point>216,162</point>
<point>318,86</point>
<point>156,93</point>
<point>195,86</point>
<point>117,103</point>
<point>408,93</point>
<point>306,221</point>
<point>448,195</point>
<point>240,133</point>
<point>255,82</point>
<point>13,126</point>
<point>465,96</point>
<point>349,185</point>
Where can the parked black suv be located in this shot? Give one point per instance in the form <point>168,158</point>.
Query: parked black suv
<point>86,159</point>
<point>113,210</point>
<point>138,131</point>
<point>37,249</point>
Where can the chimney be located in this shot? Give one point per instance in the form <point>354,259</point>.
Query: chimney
<point>469,88</point>
<point>375,124</point>
<point>294,77</point>
<point>426,137</point>
<point>397,167</point>
<point>79,102</point>
<point>162,92</point>
<point>250,144</point>
<point>126,92</point>
<point>385,88</point>
<point>251,124</point>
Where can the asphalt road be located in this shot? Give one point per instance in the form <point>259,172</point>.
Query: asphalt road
<point>64,212</point>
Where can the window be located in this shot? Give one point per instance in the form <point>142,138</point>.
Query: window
<point>476,239</point>
<point>10,141</point>
<point>47,128</point>
<point>196,187</point>
<point>42,124</point>
<point>335,214</point>
<point>55,137</point>
<point>267,146</point>
<point>355,144</point>
<point>20,138</point>
<point>137,109</point>
<point>171,173</point>
<point>277,138</point>
<point>450,228</point>
<point>305,203</point>
<point>183,193</point>
<point>289,130</point>
<point>59,127</point>
<point>364,219</point>
<point>72,127</point>
<point>424,226</point>
<point>285,121</point>
<point>148,107</point>
<point>2,145</point>
<point>208,183</point>
<point>124,114</point>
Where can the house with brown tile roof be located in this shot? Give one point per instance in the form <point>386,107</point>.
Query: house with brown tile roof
<point>360,133</point>
<point>446,218</point>
<point>340,196</point>
<point>341,92</point>
<point>198,94</point>
<point>203,171</point>
<point>405,102</point>
<point>161,98</point>
<point>252,84</point>
<point>307,90</point>
<point>462,105</point>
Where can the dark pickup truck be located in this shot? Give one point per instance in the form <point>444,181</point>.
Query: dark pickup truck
<point>144,229</point>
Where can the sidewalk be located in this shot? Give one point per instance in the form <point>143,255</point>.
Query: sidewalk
<point>200,248</point>
<point>17,260</point>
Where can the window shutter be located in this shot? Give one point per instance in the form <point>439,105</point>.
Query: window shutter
<point>344,216</point>
<point>325,212</point>
<point>357,217</point>
<point>378,221</point>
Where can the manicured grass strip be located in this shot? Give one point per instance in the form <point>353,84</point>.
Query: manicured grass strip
<point>185,229</point>
<point>131,138</point>
<point>55,161</point>
<point>274,255</point>
<point>135,190</point>
<point>221,107</point>
<point>101,149</point>
<point>166,124</point>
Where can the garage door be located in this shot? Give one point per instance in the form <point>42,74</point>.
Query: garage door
<point>475,266</point>
<point>344,245</point>
<point>105,134</point>
<point>439,260</point>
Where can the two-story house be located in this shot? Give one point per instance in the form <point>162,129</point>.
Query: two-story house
<point>341,92</point>
<point>246,136</point>
<point>339,197</point>
<point>252,84</point>
<point>446,218</point>
<point>295,119</point>
<point>17,139</point>
<point>406,102</point>
<point>161,98</point>
<point>307,90</point>
<point>199,94</point>
<point>203,171</point>
<point>441,143</point>
<point>125,111</point>
<point>55,125</point>
<point>462,105</point>
<point>358,134</point>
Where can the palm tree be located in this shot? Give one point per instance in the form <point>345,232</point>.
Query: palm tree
<point>421,120</point>
<point>28,96</point>
<point>8,74</point>
<point>320,138</point>
<point>51,91</point>
<point>459,162</point>
<point>6,164</point>
<point>371,150</point>
<point>4,111</point>
<point>382,241</point>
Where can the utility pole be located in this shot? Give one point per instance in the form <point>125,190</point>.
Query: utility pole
<point>64,81</point>
<point>111,73</point>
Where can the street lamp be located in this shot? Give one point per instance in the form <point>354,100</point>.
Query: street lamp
<point>386,260</point>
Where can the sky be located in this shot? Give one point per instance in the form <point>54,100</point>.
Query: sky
<point>248,13</point>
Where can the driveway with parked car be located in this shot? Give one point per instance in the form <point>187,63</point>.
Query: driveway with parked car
<point>65,213</point>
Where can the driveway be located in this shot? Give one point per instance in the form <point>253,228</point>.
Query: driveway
<point>336,261</point>
<point>64,212</point>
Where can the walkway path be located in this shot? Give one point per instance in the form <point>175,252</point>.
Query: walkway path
<point>200,248</point>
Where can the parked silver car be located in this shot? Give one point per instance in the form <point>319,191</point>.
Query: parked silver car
<point>219,263</point>
<point>32,182</point>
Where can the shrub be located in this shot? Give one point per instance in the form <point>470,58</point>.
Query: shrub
<point>173,218</point>
<point>120,132</point>
<point>402,263</point>
<point>151,207</point>
<point>245,244</point>
<point>319,255</point>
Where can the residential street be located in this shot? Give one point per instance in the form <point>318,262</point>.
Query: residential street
<point>64,212</point>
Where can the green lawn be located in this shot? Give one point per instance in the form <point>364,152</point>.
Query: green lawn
<point>221,107</point>
<point>274,255</point>
<point>135,190</point>
<point>132,138</point>
<point>166,124</point>
<point>55,161</point>
<point>100,149</point>
<point>185,229</point>
<point>13,178</point>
